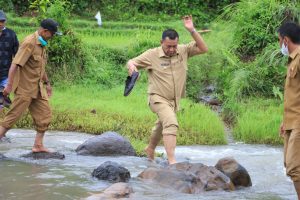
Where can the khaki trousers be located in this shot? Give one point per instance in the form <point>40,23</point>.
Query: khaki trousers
<point>165,110</point>
<point>292,154</point>
<point>39,109</point>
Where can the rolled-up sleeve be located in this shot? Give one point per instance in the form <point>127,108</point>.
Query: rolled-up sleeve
<point>192,49</point>
<point>143,60</point>
<point>23,54</point>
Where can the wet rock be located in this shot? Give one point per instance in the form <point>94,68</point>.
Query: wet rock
<point>111,171</point>
<point>115,191</point>
<point>2,157</point>
<point>235,171</point>
<point>210,100</point>
<point>209,89</point>
<point>106,144</point>
<point>188,178</point>
<point>44,155</point>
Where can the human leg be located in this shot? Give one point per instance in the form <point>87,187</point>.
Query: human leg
<point>19,106</point>
<point>167,117</point>
<point>170,145</point>
<point>292,157</point>
<point>154,140</point>
<point>297,188</point>
<point>41,115</point>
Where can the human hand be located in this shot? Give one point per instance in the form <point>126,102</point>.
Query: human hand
<point>131,68</point>
<point>7,90</point>
<point>281,130</point>
<point>188,23</point>
<point>49,90</point>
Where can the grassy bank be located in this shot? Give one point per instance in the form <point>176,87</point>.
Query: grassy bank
<point>95,110</point>
<point>258,121</point>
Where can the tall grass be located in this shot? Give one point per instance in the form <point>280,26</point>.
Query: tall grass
<point>258,121</point>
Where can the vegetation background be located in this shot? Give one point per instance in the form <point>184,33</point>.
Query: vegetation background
<point>86,64</point>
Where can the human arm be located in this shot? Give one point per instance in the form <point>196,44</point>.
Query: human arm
<point>189,25</point>
<point>281,130</point>
<point>11,75</point>
<point>48,85</point>
<point>141,61</point>
<point>16,45</point>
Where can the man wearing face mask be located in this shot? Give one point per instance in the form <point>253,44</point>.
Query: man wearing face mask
<point>9,45</point>
<point>167,68</point>
<point>28,80</point>
<point>289,41</point>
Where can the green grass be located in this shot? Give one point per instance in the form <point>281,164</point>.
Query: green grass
<point>258,121</point>
<point>94,110</point>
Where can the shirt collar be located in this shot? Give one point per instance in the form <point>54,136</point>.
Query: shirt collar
<point>4,31</point>
<point>295,53</point>
<point>161,52</point>
<point>36,35</point>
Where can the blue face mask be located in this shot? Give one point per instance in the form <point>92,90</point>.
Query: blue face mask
<point>42,41</point>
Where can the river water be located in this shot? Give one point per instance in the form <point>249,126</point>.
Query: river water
<point>28,179</point>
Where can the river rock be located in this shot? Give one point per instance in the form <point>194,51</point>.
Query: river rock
<point>44,155</point>
<point>235,171</point>
<point>106,144</point>
<point>115,191</point>
<point>111,171</point>
<point>2,157</point>
<point>188,178</point>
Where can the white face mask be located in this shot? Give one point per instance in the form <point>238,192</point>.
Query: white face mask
<point>284,49</point>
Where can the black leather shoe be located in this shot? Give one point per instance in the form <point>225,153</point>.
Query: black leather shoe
<point>129,83</point>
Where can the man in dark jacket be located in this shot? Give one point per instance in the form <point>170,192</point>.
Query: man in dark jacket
<point>8,48</point>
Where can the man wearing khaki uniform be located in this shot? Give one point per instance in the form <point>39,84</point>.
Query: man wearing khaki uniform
<point>167,67</point>
<point>289,41</point>
<point>29,81</point>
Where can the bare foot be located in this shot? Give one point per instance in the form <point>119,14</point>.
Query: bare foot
<point>172,162</point>
<point>39,148</point>
<point>4,139</point>
<point>150,153</point>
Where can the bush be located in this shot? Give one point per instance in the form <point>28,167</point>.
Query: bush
<point>256,24</point>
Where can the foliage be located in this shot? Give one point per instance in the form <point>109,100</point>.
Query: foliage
<point>40,6</point>
<point>256,23</point>
<point>66,59</point>
<point>202,10</point>
<point>6,5</point>
<point>258,121</point>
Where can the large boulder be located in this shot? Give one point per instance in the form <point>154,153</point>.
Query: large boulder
<point>115,191</point>
<point>44,155</point>
<point>235,171</point>
<point>188,178</point>
<point>106,144</point>
<point>111,171</point>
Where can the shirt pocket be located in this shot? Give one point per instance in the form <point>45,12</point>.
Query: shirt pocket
<point>293,70</point>
<point>37,61</point>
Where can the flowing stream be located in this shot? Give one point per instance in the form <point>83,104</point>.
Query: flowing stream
<point>27,179</point>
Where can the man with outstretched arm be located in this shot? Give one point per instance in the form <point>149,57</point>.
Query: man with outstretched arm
<point>167,69</point>
<point>27,78</point>
<point>289,41</point>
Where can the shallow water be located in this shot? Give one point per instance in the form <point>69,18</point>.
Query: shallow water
<point>28,179</point>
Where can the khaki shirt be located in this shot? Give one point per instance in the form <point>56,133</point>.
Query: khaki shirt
<point>291,118</point>
<point>167,75</point>
<point>31,59</point>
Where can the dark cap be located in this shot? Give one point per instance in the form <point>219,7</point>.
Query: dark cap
<point>50,25</point>
<point>2,16</point>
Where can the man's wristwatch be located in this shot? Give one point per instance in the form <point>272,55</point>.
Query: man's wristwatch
<point>193,31</point>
